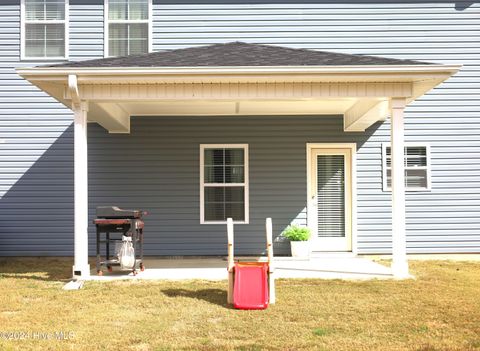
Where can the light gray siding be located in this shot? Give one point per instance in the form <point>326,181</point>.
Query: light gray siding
<point>36,137</point>
<point>36,145</point>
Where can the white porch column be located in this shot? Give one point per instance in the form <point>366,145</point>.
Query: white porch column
<point>399,242</point>
<point>81,268</point>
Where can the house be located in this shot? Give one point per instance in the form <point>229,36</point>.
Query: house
<point>342,117</point>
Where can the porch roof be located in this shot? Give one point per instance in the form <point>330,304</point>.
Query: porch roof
<point>238,54</point>
<point>237,79</point>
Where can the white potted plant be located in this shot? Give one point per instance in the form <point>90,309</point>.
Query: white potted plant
<point>298,237</point>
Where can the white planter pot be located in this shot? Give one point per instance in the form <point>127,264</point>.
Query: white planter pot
<point>300,248</point>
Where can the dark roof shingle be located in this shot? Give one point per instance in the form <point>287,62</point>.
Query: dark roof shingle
<point>237,54</point>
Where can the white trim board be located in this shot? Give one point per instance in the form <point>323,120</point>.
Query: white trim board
<point>391,71</point>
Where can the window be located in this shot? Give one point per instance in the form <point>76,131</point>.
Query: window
<point>127,27</point>
<point>44,32</point>
<point>223,183</point>
<point>417,167</point>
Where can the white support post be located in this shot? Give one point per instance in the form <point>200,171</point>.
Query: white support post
<point>399,242</point>
<point>81,268</point>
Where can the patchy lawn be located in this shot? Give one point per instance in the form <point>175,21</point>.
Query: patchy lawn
<point>440,310</point>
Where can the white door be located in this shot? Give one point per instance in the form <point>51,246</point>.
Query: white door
<point>330,196</point>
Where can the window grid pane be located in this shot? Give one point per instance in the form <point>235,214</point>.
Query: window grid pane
<point>416,178</point>
<point>234,157</point>
<point>138,10</point>
<point>117,10</point>
<point>234,174</point>
<point>224,165</point>
<point>54,10</point>
<point>54,48</point>
<point>34,48</point>
<point>34,9</point>
<point>214,211</point>
<point>223,202</point>
<point>138,38</point>
<point>214,174</point>
<point>118,39</point>
<point>44,40</point>
<point>128,10</point>
<point>214,157</point>
<point>127,38</point>
<point>44,10</point>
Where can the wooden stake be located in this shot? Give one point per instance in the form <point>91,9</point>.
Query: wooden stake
<point>271,277</point>
<point>231,264</point>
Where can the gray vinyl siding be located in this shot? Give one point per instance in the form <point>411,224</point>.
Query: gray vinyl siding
<point>36,141</point>
<point>36,175</point>
<point>156,168</point>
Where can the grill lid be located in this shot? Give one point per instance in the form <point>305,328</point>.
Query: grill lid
<point>116,212</point>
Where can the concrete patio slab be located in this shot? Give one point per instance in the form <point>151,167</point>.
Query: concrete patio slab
<point>328,266</point>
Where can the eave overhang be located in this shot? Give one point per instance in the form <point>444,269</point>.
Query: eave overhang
<point>360,93</point>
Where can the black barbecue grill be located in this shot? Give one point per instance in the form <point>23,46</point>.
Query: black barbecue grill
<point>115,223</point>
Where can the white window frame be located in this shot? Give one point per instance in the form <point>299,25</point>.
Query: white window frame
<point>428,168</point>
<point>24,21</point>
<point>106,22</point>
<point>245,184</point>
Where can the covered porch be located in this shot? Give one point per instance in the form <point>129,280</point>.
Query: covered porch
<point>240,79</point>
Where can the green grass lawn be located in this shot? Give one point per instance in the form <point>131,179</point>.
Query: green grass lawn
<point>440,310</point>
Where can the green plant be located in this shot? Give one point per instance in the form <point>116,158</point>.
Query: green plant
<point>296,233</point>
